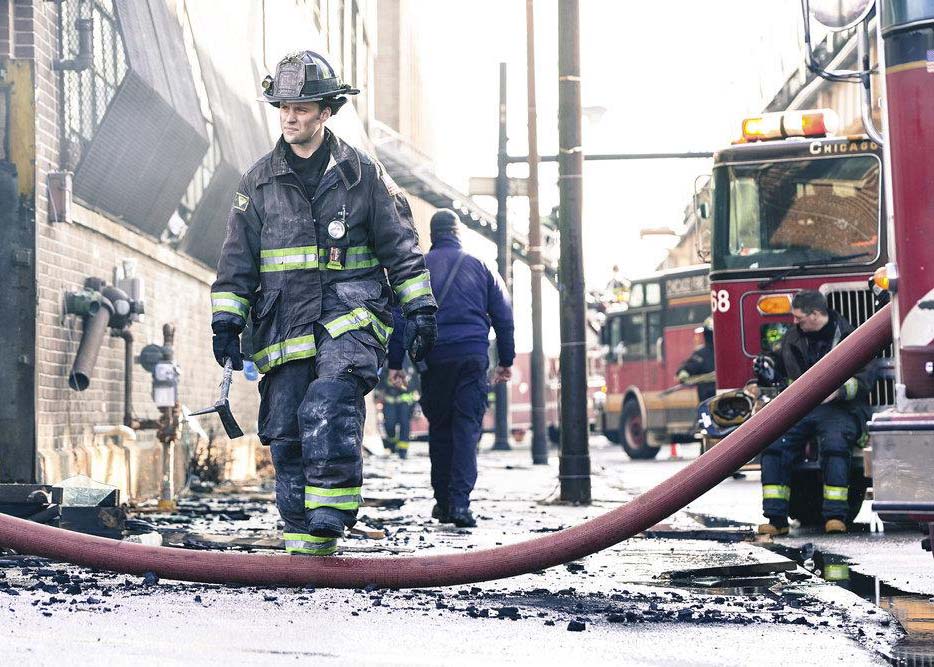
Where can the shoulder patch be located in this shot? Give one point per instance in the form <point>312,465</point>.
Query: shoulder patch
<point>241,201</point>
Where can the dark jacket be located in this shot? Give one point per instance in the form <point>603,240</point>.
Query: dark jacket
<point>799,351</point>
<point>281,263</point>
<point>701,363</point>
<point>476,300</point>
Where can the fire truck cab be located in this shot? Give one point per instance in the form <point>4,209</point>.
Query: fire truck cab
<point>793,208</point>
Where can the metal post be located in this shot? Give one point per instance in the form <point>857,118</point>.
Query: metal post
<point>503,254</point>
<point>168,431</point>
<point>539,435</point>
<point>574,468</point>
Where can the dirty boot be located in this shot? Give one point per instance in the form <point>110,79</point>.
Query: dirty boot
<point>326,522</point>
<point>440,513</point>
<point>776,526</point>
<point>461,517</point>
<point>303,544</point>
<point>834,526</point>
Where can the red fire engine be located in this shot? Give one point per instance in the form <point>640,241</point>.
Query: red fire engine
<point>794,208</point>
<point>646,340</point>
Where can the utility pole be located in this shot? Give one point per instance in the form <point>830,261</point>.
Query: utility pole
<point>574,468</point>
<point>503,255</point>
<point>539,437</point>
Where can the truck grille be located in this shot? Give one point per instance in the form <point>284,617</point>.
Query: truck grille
<point>857,306</point>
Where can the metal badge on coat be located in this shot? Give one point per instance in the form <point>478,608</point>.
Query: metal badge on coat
<point>337,229</point>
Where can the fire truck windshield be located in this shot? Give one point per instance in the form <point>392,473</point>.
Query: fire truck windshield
<point>797,212</point>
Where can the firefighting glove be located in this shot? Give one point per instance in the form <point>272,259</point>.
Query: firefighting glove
<point>227,344</point>
<point>764,369</point>
<point>682,376</point>
<point>420,334</point>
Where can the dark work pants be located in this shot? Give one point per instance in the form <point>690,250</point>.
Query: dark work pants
<point>397,420</point>
<point>836,431</point>
<point>454,398</point>
<point>311,415</point>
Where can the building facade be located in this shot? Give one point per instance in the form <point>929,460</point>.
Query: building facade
<point>127,126</point>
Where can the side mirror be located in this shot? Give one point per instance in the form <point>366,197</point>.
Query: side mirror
<point>702,194</point>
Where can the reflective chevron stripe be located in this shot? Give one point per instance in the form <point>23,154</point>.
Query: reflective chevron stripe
<point>358,318</point>
<point>301,543</point>
<point>340,499</point>
<point>228,302</point>
<point>835,493</point>
<point>288,259</point>
<point>287,350</point>
<point>776,492</point>
<point>413,288</point>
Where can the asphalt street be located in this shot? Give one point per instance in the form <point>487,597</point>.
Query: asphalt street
<point>694,590</point>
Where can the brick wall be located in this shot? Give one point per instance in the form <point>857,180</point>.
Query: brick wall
<point>176,291</point>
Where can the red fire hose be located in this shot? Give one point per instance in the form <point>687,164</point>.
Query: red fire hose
<point>450,569</point>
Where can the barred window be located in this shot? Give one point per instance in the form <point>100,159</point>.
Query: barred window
<point>88,93</point>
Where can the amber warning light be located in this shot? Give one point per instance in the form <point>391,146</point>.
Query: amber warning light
<point>815,123</point>
<point>774,304</point>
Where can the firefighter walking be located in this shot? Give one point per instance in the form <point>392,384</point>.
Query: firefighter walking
<point>319,240</point>
<point>837,423</point>
<point>398,407</point>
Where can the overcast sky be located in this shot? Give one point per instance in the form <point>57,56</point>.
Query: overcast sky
<point>673,76</point>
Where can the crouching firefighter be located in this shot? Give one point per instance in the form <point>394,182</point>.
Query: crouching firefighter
<point>318,239</point>
<point>837,423</point>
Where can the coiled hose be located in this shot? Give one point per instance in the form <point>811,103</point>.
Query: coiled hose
<point>461,568</point>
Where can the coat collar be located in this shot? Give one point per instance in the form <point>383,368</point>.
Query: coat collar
<point>344,158</point>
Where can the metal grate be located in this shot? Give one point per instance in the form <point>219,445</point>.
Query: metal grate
<point>857,306</point>
<point>88,93</point>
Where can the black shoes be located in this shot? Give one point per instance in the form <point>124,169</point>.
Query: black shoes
<point>440,513</point>
<point>461,517</point>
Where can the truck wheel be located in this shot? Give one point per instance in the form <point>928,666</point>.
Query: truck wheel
<point>633,436</point>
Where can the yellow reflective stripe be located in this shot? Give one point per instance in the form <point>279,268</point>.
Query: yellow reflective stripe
<point>287,350</point>
<point>776,491</point>
<point>347,498</point>
<point>358,318</point>
<point>835,492</point>
<point>402,444</point>
<point>850,387</point>
<point>836,572</point>
<point>228,302</point>
<point>287,259</point>
<point>413,288</point>
<point>302,543</point>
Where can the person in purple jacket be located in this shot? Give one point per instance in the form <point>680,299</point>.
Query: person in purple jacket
<point>471,298</point>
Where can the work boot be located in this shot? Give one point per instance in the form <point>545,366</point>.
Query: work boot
<point>326,522</point>
<point>834,526</point>
<point>390,444</point>
<point>402,449</point>
<point>775,527</point>
<point>440,513</point>
<point>461,517</point>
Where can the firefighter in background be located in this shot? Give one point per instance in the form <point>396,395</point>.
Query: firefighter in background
<point>698,368</point>
<point>398,407</point>
<point>837,422</point>
<point>318,240</point>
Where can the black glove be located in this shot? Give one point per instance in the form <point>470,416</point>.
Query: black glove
<point>227,344</point>
<point>420,334</point>
<point>764,369</point>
